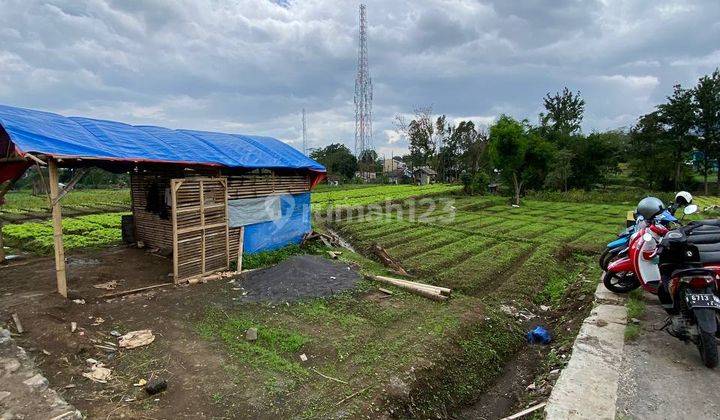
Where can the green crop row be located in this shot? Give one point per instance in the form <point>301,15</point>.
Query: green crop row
<point>91,231</point>
<point>19,202</point>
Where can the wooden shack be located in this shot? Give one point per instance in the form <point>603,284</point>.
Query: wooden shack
<point>205,197</point>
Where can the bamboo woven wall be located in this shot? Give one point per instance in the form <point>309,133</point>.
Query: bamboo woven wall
<point>156,232</point>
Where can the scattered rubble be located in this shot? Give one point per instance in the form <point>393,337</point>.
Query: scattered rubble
<point>25,392</point>
<point>108,285</point>
<point>251,334</point>
<point>98,373</point>
<point>136,339</point>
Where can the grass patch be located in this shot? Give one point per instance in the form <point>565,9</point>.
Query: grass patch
<point>636,304</point>
<point>268,258</point>
<point>632,331</point>
<point>273,350</point>
<point>635,308</point>
<point>93,231</point>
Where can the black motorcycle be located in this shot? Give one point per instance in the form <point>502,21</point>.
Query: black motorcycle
<point>690,268</point>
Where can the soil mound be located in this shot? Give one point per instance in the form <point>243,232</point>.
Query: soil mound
<point>298,277</point>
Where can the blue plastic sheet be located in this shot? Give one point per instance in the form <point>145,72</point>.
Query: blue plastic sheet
<point>58,136</point>
<point>293,224</point>
<point>539,335</point>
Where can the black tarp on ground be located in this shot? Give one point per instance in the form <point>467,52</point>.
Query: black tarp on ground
<point>301,276</point>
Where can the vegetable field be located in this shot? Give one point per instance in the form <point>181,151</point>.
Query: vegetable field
<point>341,197</point>
<point>482,245</point>
<point>492,255</point>
<point>22,205</point>
<point>91,231</point>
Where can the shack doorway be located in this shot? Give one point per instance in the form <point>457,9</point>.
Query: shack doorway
<point>200,227</point>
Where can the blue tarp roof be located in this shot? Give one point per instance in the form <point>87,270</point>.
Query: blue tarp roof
<point>58,136</point>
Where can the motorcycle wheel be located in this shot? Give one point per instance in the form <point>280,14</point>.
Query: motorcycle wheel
<point>620,282</point>
<point>707,345</point>
<point>604,259</point>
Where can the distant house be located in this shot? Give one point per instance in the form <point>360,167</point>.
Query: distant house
<point>424,175</point>
<point>400,176</point>
<point>392,165</point>
<point>366,176</point>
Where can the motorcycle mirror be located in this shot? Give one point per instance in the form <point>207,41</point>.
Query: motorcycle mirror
<point>692,208</point>
<point>647,237</point>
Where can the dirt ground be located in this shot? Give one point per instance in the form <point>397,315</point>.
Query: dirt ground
<point>193,369</point>
<point>198,372</point>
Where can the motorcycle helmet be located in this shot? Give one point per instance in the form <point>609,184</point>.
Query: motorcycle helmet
<point>683,198</point>
<point>650,207</point>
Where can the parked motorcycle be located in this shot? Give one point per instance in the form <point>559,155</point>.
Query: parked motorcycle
<point>625,270</point>
<point>689,263</point>
<point>618,248</point>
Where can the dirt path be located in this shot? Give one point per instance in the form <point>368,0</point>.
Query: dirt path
<point>664,378</point>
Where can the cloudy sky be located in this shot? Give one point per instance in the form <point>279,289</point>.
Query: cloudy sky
<point>250,66</point>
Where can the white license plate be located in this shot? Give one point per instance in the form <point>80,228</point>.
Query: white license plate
<point>702,300</point>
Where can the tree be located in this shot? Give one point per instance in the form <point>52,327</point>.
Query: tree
<point>521,156</point>
<point>337,159</point>
<point>368,161</point>
<point>562,170</point>
<point>564,112</point>
<point>678,115</point>
<point>651,159</point>
<point>420,132</point>
<point>707,103</point>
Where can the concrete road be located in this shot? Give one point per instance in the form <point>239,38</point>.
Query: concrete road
<point>664,378</point>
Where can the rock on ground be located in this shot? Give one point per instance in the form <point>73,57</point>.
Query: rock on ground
<point>24,392</point>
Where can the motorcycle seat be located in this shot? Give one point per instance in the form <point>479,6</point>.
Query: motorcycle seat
<point>708,252</point>
<point>692,272</point>
<point>704,238</point>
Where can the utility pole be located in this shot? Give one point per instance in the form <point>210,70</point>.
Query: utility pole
<point>363,92</point>
<point>304,132</point>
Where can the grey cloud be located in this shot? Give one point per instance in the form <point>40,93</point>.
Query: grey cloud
<point>250,66</point>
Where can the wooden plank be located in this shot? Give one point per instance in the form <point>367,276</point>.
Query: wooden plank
<point>70,185</point>
<point>57,229</point>
<point>240,248</point>
<point>131,291</point>
<point>202,224</point>
<point>200,228</point>
<point>174,185</point>
<point>227,224</point>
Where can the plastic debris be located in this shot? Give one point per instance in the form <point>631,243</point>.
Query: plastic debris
<point>303,357</point>
<point>539,335</point>
<point>136,339</point>
<point>141,382</point>
<point>156,386</point>
<point>108,285</point>
<point>98,373</point>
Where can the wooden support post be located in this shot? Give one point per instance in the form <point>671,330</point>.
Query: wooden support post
<point>240,249</point>
<point>57,228</point>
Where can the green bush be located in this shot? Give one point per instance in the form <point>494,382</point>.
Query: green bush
<point>475,183</point>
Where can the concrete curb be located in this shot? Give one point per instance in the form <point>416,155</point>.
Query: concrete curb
<point>587,387</point>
